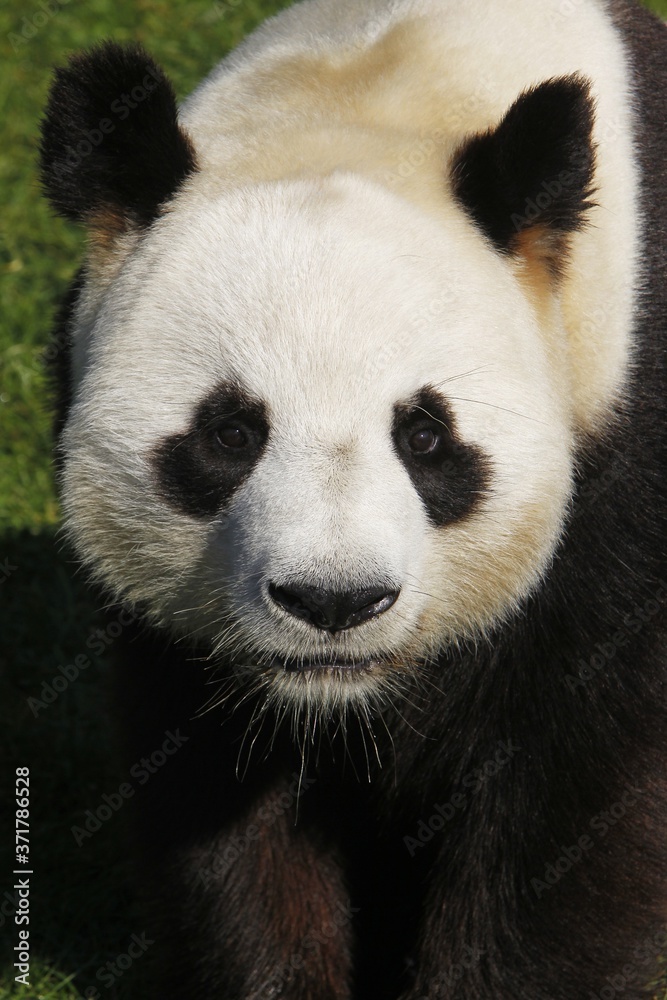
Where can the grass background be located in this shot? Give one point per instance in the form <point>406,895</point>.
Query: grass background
<point>82,906</point>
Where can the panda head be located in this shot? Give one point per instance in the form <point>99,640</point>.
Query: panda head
<point>313,425</point>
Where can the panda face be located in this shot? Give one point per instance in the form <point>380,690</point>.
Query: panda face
<point>324,426</point>
<point>318,428</point>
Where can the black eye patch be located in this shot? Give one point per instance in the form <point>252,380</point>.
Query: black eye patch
<point>199,470</point>
<point>450,476</point>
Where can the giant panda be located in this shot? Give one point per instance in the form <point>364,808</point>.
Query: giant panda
<point>361,435</point>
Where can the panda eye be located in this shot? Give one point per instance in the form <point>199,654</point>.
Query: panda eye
<point>232,437</point>
<point>424,441</point>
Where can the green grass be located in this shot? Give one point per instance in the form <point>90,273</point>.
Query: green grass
<point>82,908</point>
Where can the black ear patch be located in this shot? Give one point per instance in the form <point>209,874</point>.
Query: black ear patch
<point>535,169</point>
<point>111,144</point>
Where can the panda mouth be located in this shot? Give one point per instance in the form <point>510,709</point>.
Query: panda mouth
<point>319,664</point>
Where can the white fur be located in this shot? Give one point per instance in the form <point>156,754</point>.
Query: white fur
<point>314,260</point>
<point>452,69</point>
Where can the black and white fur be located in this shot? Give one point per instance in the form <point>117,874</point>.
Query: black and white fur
<point>363,415</point>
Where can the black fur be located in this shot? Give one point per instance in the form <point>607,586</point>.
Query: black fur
<point>540,752</point>
<point>535,168</point>
<point>195,473</point>
<point>58,354</point>
<point>451,480</point>
<point>111,144</point>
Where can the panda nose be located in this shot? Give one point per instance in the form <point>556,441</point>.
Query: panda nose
<point>333,610</point>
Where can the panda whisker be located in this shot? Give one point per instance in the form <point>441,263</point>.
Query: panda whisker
<point>224,636</point>
<point>422,736</point>
<point>363,740</point>
<point>391,740</point>
<point>431,597</point>
<point>196,607</point>
<point>371,732</point>
<point>315,729</point>
<point>455,378</point>
<point>218,697</point>
<point>408,701</point>
<point>259,714</point>
<point>262,718</point>
<point>432,417</point>
<point>424,679</point>
<point>234,625</point>
<point>227,687</point>
<point>423,593</point>
<point>278,722</point>
<point>504,409</point>
<point>347,756</point>
<point>302,772</point>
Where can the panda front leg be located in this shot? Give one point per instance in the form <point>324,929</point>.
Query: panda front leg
<point>244,894</point>
<point>256,912</point>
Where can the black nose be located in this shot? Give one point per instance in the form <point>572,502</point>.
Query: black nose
<point>332,610</point>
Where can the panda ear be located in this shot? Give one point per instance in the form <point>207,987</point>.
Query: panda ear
<point>112,150</point>
<point>528,182</point>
